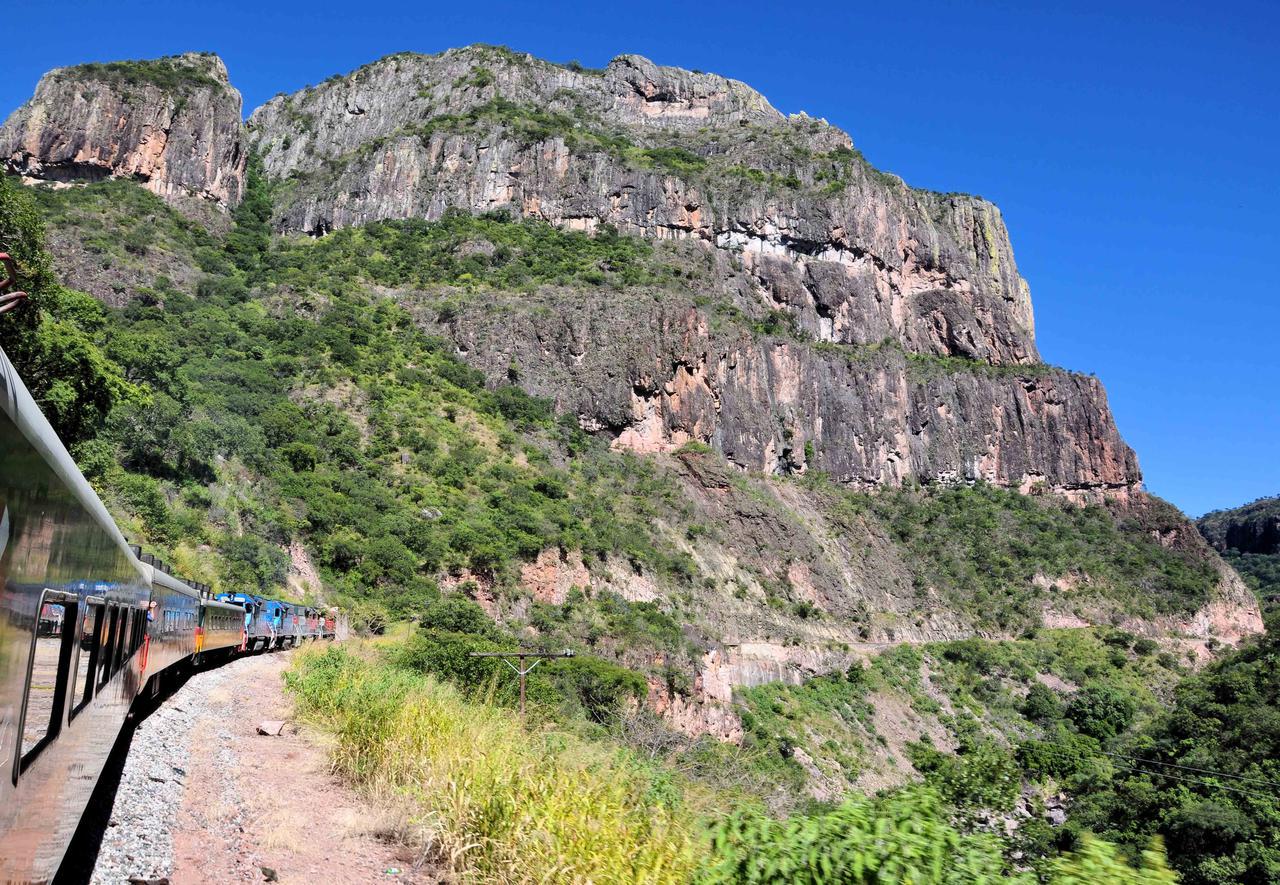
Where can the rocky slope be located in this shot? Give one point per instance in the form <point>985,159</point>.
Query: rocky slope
<point>1248,537</point>
<point>792,223</point>
<point>664,153</point>
<point>819,326</point>
<point>172,124</point>
<point>1253,528</point>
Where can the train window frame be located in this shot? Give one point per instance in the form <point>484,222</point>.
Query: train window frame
<point>98,605</point>
<point>105,670</point>
<point>135,637</point>
<point>57,712</point>
<point>122,639</point>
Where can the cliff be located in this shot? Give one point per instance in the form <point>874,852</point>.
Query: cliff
<point>1253,528</point>
<point>852,252</point>
<point>682,272</point>
<point>1248,537</point>
<point>909,348</point>
<point>172,124</point>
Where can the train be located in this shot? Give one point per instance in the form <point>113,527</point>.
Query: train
<point>88,625</point>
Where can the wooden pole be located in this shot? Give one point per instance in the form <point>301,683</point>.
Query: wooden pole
<point>522,671</point>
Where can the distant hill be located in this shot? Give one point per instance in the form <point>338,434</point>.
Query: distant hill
<point>1249,538</point>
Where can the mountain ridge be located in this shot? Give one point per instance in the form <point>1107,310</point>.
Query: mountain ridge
<point>835,373</point>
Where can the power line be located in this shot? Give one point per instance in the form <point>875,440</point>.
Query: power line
<point>1199,783</point>
<point>1238,777</point>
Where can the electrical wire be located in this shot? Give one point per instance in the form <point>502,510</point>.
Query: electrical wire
<point>1199,783</point>
<point>1238,777</point>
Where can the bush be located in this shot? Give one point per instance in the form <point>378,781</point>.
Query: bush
<point>903,837</point>
<point>598,687</point>
<point>1064,756</point>
<point>979,775</point>
<point>1041,704</point>
<point>1101,711</point>
<point>456,614</point>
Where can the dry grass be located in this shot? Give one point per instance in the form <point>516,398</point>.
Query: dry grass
<point>487,799</point>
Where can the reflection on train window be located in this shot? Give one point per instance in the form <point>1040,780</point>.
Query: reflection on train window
<point>46,685</point>
<point>122,635</point>
<point>108,643</point>
<point>82,688</point>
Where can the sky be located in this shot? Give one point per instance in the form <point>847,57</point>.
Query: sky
<point>1133,148</point>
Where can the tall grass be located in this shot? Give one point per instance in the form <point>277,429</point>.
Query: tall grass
<point>494,802</point>
<point>489,800</point>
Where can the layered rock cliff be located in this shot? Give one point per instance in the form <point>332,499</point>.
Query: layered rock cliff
<point>910,351</point>
<point>793,308</point>
<point>855,254</point>
<point>173,124</point>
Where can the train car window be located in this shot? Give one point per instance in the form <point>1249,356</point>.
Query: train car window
<point>108,644</point>
<point>46,692</point>
<point>86,656</point>
<point>122,636</point>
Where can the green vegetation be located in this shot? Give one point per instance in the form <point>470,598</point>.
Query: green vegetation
<point>985,547</point>
<point>557,806</point>
<point>1008,733</point>
<point>171,73</point>
<point>904,837</point>
<point>223,427</point>
<point>468,252</point>
<point>1261,571</point>
<point>590,688</point>
<point>279,399</point>
<point>496,797</point>
<point>1250,540</point>
<point>1219,813</point>
<point>55,339</point>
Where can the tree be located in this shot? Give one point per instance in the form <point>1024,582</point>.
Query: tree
<point>52,339</point>
<point>1101,711</point>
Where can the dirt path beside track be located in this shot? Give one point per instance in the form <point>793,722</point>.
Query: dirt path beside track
<point>206,799</point>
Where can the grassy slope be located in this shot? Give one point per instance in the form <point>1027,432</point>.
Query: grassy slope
<point>486,797</point>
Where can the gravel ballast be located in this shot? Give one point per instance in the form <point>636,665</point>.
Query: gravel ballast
<point>138,842</point>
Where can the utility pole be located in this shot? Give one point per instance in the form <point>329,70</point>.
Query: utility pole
<point>521,669</point>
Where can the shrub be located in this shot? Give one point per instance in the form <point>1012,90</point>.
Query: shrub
<point>1101,711</point>
<point>599,687</point>
<point>455,614</point>
<point>979,775</point>
<point>1041,704</point>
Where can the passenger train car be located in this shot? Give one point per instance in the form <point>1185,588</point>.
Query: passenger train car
<point>87,624</point>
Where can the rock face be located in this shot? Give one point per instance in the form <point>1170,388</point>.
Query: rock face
<point>855,254</point>
<point>173,124</point>
<point>659,375</point>
<point>913,351</point>
<point>1253,528</point>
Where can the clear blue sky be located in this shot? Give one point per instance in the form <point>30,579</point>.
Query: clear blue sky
<point>1134,149</point>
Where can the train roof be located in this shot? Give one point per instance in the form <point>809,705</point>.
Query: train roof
<point>225,606</point>
<point>169,582</point>
<point>17,401</point>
